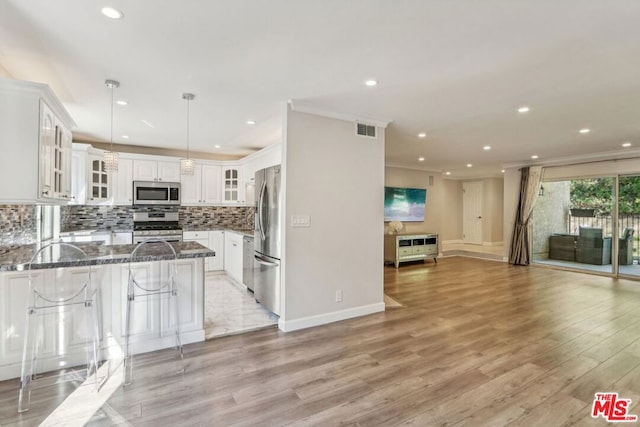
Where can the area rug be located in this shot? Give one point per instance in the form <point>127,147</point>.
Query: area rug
<point>390,302</point>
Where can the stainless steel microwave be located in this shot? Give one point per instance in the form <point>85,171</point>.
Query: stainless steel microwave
<point>156,193</point>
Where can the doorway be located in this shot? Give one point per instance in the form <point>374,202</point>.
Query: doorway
<point>472,196</point>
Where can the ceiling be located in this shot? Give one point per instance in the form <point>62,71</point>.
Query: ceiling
<point>456,70</point>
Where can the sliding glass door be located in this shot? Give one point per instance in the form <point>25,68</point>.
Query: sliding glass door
<point>628,224</point>
<point>573,224</point>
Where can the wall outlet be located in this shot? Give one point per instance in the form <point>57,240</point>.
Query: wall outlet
<point>339,296</point>
<point>300,221</point>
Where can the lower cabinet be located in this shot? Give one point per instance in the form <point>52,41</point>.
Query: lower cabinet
<point>233,255</point>
<point>152,324</point>
<point>216,244</point>
<point>152,320</point>
<point>213,240</point>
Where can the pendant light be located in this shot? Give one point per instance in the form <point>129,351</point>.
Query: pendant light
<point>111,157</point>
<point>187,165</point>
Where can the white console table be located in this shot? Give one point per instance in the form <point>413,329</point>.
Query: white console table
<point>410,247</point>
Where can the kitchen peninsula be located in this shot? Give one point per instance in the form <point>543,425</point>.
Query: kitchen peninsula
<point>109,268</point>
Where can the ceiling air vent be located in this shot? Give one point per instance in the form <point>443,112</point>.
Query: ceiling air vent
<point>365,130</point>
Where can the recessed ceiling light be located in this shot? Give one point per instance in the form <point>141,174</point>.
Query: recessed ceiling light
<point>422,135</point>
<point>523,109</point>
<point>447,173</point>
<point>125,136</point>
<point>122,102</point>
<point>112,13</point>
<point>216,146</point>
<point>421,159</point>
<point>486,148</point>
<point>585,130</point>
<point>535,156</point>
<point>502,171</point>
<point>251,122</point>
<point>469,165</point>
<point>371,82</point>
<point>626,144</point>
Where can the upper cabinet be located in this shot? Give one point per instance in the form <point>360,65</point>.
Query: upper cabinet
<point>98,180</point>
<point>213,182</point>
<point>152,170</point>
<point>91,183</point>
<point>36,144</point>
<point>232,184</point>
<point>203,187</point>
<point>122,182</point>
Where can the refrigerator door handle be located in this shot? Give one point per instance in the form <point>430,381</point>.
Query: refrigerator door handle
<point>260,211</point>
<point>263,262</point>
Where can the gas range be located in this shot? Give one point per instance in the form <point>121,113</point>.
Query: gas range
<point>156,225</point>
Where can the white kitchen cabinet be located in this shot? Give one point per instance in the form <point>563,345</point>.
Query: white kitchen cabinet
<point>151,323</point>
<point>55,156</point>
<point>211,184</point>
<point>98,187</point>
<point>154,170</point>
<point>212,240</point>
<point>216,244</point>
<point>233,255</point>
<point>63,336</point>
<point>232,184</point>
<point>36,144</point>
<point>203,187</point>
<point>78,176</point>
<point>122,183</point>
<point>152,320</point>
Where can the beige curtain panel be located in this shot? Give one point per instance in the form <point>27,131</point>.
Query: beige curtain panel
<point>530,180</point>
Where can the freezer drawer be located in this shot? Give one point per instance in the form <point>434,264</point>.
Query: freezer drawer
<point>266,282</point>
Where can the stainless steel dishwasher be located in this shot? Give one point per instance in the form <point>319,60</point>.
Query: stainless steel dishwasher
<point>247,262</point>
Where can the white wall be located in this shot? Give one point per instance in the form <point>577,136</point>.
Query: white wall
<point>337,178</point>
<point>452,210</point>
<point>492,211</point>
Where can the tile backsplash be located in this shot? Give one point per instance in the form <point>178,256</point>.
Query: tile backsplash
<point>121,217</point>
<point>18,218</point>
<point>22,219</point>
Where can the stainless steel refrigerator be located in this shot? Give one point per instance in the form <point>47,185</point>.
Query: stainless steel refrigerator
<point>266,272</point>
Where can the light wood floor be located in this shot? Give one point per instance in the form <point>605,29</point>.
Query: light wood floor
<point>478,343</point>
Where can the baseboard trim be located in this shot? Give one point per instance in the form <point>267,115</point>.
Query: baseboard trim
<point>451,242</point>
<point>491,243</point>
<point>335,316</point>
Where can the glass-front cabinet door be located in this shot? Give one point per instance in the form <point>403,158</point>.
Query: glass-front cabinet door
<point>231,185</point>
<point>98,180</point>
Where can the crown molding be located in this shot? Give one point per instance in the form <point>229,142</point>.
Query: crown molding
<point>303,107</point>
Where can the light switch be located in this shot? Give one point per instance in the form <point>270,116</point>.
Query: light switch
<point>300,221</point>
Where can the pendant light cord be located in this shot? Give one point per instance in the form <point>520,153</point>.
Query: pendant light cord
<point>188,151</point>
<point>112,118</point>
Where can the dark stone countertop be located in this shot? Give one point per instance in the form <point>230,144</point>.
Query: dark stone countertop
<point>16,258</point>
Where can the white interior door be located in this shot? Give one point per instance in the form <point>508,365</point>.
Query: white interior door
<point>472,212</point>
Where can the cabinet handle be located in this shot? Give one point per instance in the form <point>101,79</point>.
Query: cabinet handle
<point>45,192</point>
